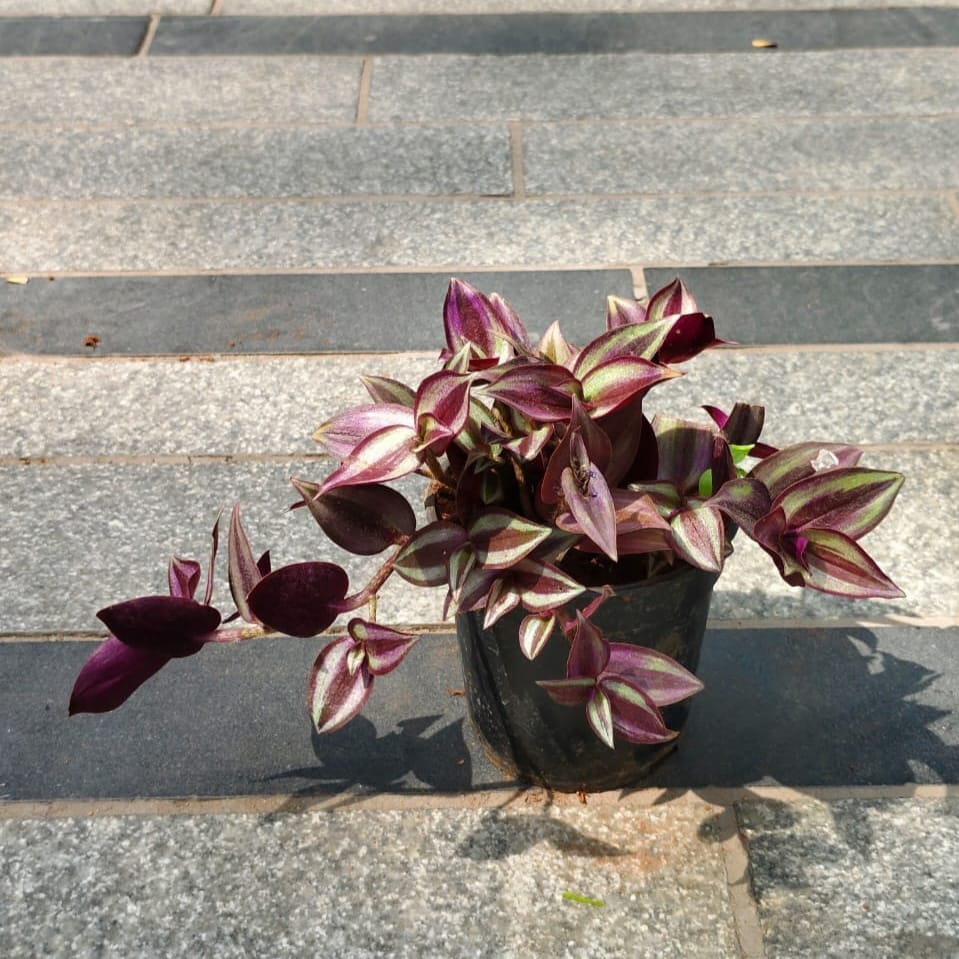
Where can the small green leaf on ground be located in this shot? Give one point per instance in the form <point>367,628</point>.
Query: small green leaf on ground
<point>585,900</point>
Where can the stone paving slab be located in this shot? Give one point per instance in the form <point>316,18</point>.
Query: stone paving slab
<point>817,707</point>
<point>61,8</point>
<point>71,36</point>
<point>138,91</point>
<point>744,155</point>
<point>874,878</point>
<point>272,405</point>
<point>868,304</point>
<point>302,313</point>
<point>78,538</point>
<point>364,884</point>
<point>510,6</point>
<point>555,33</point>
<point>306,313</point>
<point>649,86</point>
<point>232,722</point>
<point>457,234</point>
<point>246,162</point>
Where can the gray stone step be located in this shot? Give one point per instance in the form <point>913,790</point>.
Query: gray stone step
<point>138,91</point>
<point>555,33</point>
<point>271,405</point>
<point>817,706</point>
<point>254,162</point>
<point>743,155</point>
<point>649,86</point>
<point>81,537</point>
<point>456,235</point>
<point>364,884</point>
<point>349,313</point>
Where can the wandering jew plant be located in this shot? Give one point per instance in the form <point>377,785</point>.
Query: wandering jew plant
<point>547,481</point>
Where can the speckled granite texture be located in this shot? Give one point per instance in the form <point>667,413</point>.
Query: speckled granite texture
<point>457,883</point>
<point>873,879</point>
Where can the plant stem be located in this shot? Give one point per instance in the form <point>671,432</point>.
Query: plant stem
<point>436,468</point>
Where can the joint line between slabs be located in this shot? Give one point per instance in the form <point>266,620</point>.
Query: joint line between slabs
<point>953,199</point>
<point>739,886</point>
<point>516,160</point>
<point>148,35</point>
<point>363,96</point>
<point>640,289</point>
<point>216,8</point>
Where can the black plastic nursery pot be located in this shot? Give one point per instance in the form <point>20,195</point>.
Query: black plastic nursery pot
<point>530,737</point>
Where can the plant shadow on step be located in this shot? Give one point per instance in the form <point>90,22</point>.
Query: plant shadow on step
<point>819,707</point>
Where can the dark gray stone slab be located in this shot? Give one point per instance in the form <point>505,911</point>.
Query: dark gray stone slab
<point>232,721</point>
<point>801,707</point>
<point>557,33</point>
<point>829,304</point>
<point>822,707</point>
<point>71,36</point>
<point>280,314</point>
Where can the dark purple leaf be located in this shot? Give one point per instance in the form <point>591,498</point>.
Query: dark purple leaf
<point>589,500</point>
<point>169,626</point>
<point>300,599</point>
<point>541,391</point>
<point>364,520</point>
<point>589,651</point>
<point>424,560</point>
<point>244,573</point>
<point>836,564</point>
<point>690,335</point>
<point>184,577</point>
<point>685,451</point>
<point>568,692</point>
<point>111,674</point>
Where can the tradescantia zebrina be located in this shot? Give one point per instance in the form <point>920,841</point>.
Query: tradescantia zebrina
<point>548,481</point>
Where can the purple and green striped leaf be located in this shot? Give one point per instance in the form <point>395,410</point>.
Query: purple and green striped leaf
<point>685,451</point>
<point>385,648</point>
<point>849,500</point>
<point>633,714</point>
<point>623,312</point>
<point>744,500</point>
<point>386,455</point>
<point>639,339</point>
<point>794,463</point>
<point>555,348</point>
<point>599,714</point>
<point>699,538</point>
<point>542,586</point>
<point>385,390</point>
<point>661,678</point>
<point>834,563</point>
<point>613,383</point>
<point>534,633</point>
<point>502,538</point>
<point>588,498</point>
<point>502,599</point>
<point>341,435</point>
<point>424,560</point>
<point>541,391</point>
<point>568,692</point>
<point>335,695</point>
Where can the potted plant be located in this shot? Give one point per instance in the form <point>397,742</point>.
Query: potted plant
<point>578,540</point>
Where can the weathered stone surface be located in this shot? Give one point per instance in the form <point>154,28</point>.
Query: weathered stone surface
<point>254,162</point>
<point>856,877</point>
<point>442,882</point>
<point>458,234</point>
<point>647,86</point>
